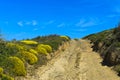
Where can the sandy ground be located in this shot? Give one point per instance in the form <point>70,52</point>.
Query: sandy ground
<point>77,62</point>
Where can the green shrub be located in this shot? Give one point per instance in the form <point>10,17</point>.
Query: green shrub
<point>53,40</point>
<point>29,57</point>
<point>3,61</point>
<point>6,77</point>
<point>117,44</point>
<point>16,66</point>
<point>2,47</point>
<point>76,39</point>
<point>117,68</point>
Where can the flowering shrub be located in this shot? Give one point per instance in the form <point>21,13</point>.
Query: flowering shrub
<point>29,42</point>
<point>13,45</point>
<point>64,37</point>
<point>6,77</point>
<point>1,70</point>
<point>40,49</point>
<point>47,47</point>
<point>30,57</point>
<point>3,76</point>
<point>13,49</point>
<point>16,66</point>
<point>33,51</point>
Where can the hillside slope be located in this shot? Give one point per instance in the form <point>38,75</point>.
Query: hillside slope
<point>18,58</point>
<point>77,62</point>
<point>107,44</point>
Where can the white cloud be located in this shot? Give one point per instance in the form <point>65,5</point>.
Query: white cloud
<point>82,21</point>
<point>87,22</point>
<point>35,29</point>
<point>34,23</point>
<point>27,23</point>
<point>61,25</point>
<point>20,23</point>
<point>80,30</point>
<point>50,22</point>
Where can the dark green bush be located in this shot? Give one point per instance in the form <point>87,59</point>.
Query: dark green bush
<point>117,68</point>
<point>76,39</point>
<point>117,44</point>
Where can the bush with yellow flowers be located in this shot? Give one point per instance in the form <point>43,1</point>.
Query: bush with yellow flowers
<point>40,49</point>
<point>29,42</point>
<point>13,48</point>
<point>6,77</point>
<point>16,66</point>
<point>33,51</point>
<point>47,47</point>
<point>1,70</point>
<point>65,38</point>
<point>29,57</point>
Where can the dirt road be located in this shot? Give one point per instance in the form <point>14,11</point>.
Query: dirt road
<point>77,62</point>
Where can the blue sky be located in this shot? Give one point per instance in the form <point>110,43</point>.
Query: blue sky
<point>21,19</point>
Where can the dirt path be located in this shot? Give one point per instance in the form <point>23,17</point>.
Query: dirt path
<point>78,62</point>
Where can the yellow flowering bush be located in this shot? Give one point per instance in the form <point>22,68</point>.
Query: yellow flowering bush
<point>6,77</point>
<point>47,47</point>
<point>30,57</point>
<point>13,48</point>
<point>29,42</point>
<point>19,47</point>
<point>33,51</point>
<point>1,70</point>
<point>16,66</point>
<point>41,50</point>
<point>64,37</point>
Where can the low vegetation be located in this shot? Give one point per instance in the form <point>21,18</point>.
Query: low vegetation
<point>16,56</point>
<point>53,40</point>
